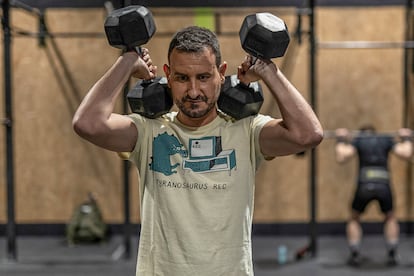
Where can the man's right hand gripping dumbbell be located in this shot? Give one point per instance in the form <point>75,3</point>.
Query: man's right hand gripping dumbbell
<point>127,29</point>
<point>263,36</point>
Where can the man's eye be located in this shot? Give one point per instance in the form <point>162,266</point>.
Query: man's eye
<point>203,77</point>
<point>181,78</point>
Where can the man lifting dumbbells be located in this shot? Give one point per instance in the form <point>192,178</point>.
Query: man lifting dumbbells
<point>373,181</point>
<point>196,168</point>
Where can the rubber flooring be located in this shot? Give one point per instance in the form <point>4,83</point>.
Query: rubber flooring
<point>47,256</point>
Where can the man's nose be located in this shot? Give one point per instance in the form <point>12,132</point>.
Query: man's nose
<point>193,90</point>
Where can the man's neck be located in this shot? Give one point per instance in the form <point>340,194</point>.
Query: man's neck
<point>197,122</point>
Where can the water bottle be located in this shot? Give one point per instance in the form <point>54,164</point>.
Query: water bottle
<point>282,254</point>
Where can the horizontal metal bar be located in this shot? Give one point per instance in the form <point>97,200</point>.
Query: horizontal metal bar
<point>60,35</point>
<point>361,2</point>
<point>96,35</point>
<point>225,11</point>
<point>331,134</point>
<point>24,6</point>
<point>209,3</point>
<point>365,44</point>
<point>23,33</point>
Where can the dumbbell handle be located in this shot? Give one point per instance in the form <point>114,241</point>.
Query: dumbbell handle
<point>136,49</point>
<point>253,61</point>
<point>236,82</point>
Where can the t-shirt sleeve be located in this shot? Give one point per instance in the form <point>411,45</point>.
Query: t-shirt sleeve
<point>140,123</point>
<point>257,124</point>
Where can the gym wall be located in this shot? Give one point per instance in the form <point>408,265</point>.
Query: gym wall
<point>55,169</point>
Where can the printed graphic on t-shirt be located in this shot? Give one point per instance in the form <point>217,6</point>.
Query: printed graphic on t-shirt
<point>164,146</point>
<point>204,155</point>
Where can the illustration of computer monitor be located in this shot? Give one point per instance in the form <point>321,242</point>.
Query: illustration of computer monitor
<point>206,147</point>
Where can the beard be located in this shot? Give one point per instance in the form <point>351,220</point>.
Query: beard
<point>194,109</point>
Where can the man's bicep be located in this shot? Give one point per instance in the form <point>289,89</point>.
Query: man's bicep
<point>121,134</point>
<point>275,140</point>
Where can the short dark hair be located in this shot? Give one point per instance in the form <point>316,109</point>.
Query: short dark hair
<point>195,39</point>
<point>367,128</point>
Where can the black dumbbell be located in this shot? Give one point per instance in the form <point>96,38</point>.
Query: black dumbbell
<point>130,27</point>
<point>264,36</point>
<point>127,29</point>
<point>239,100</point>
<point>150,99</point>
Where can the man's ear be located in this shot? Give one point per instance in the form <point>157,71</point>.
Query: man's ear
<point>166,69</point>
<point>167,72</point>
<point>222,71</point>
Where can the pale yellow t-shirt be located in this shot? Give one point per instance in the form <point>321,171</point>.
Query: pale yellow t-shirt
<point>196,195</point>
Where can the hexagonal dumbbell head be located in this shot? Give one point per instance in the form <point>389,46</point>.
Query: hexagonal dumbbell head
<point>130,27</point>
<point>150,98</point>
<point>239,100</point>
<point>264,35</point>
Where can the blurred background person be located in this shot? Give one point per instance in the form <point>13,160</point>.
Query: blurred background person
<point>373,181</point>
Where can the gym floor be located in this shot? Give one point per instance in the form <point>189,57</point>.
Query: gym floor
<point>47,256</point>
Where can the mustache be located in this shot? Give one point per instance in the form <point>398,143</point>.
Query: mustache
<point>198,98</point>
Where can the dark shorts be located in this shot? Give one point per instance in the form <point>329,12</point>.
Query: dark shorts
<point>370,191</point>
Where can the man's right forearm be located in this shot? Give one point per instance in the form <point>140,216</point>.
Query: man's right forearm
<point>98,104</point>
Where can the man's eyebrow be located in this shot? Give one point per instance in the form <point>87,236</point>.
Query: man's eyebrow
<point>205,74</point>
<point>179,73</point>
<point>199,74</point>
